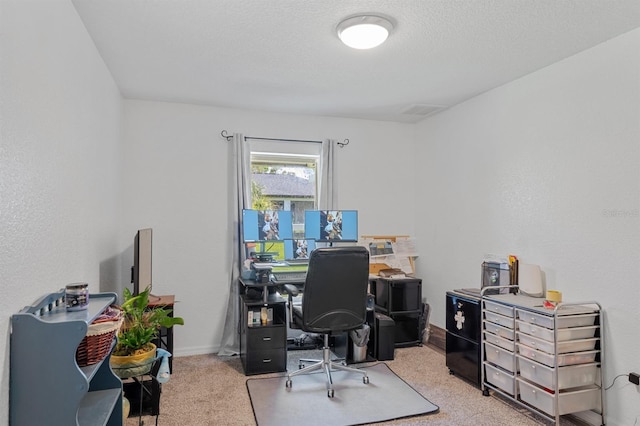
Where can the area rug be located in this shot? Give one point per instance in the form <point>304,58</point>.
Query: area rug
<point>385,397</point>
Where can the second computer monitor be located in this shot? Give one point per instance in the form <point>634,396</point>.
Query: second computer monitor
<point>331,225</point>
<point>266,225</point>
<point>298,249</point>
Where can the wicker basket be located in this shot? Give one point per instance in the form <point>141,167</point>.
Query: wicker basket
<point>98,341</point>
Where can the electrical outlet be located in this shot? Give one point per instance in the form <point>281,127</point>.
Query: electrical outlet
<point>634,378</point>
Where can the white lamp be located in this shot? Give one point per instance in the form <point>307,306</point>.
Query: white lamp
<point>364,32</point>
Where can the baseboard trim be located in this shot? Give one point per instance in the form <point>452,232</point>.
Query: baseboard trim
<point>437,337</point>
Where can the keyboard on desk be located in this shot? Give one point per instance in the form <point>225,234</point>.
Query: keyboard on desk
<point>289,276</point>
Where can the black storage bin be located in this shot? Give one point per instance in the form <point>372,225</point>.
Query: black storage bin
<point>399,295</point>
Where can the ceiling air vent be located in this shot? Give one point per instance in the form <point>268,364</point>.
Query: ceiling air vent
<point>422,109</point>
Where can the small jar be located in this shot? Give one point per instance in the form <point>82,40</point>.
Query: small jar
<point>77,296</point>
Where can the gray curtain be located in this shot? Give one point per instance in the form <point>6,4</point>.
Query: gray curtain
<point>239,199</point>
<point>326,193</point>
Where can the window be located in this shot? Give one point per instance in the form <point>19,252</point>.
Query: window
<point>285,180</point>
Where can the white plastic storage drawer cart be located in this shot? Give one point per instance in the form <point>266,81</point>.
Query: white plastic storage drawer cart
<point>547,360</point>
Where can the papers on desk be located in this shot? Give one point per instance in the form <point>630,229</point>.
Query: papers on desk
<point>391,253</point>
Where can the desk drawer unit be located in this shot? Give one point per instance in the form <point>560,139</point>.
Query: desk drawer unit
<point>263,348</point>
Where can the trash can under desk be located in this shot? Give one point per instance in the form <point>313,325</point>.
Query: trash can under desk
<point>382,339</point>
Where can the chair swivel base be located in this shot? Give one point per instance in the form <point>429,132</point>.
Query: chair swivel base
<point>326,365</point>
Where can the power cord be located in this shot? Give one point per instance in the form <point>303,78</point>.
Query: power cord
<point>614,381</point>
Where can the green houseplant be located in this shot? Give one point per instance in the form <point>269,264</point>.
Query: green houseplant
<point>134,353</point>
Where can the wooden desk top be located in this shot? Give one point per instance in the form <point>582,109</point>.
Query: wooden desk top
<point>166,300</point>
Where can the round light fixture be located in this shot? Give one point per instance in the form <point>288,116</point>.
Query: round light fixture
<point>364,32</point>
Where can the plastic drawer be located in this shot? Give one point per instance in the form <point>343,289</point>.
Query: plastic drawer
<point>534,330</point>
<point>535,343</point>
<point>568,377</point>
<point>500,357</point>
<point>563,359</point>
<point>499,341</point>
<point>568,402</point>
<point>563,346</point>
<point>563,333</point>
<point>563,321</point>
<point>499,319</point>
<point>500,379</point>
<point>499,308</point>
<point>505,332</point>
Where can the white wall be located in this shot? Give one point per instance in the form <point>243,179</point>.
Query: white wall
<point>59,183</point>
<point>176,176</point>
<point>545,167</point>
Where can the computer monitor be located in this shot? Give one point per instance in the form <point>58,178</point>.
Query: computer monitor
<point>266,225</point>
<point>331,225</point>
<point>298,249</point>
<point>141,271</point>
<point>274,251</point>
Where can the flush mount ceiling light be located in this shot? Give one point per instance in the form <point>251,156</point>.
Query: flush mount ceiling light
<point>365,31</point>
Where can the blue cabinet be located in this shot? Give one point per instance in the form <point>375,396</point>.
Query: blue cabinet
<point>46,385</point>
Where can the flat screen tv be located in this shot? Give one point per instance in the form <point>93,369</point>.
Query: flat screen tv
<point>141,271</point>
<point>266,225</point>
<point>331,225</point>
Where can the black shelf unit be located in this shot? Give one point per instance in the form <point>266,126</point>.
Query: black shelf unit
<point>401,300</point>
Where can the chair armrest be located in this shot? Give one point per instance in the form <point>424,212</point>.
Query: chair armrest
<point>291,290</point>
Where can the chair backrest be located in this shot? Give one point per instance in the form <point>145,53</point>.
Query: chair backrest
<point>335,291</point>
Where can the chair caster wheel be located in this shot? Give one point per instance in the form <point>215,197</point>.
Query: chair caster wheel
<point>300,366</point>
<point>288,384</point>
<point>485,392</point>
<point>365,380</point>
<point>330,393</point>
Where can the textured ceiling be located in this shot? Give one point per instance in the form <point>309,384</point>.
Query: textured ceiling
<point>284,55</point>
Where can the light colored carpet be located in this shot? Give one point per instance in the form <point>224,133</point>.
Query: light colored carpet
<point>386,397</point>
<point>207,390</point>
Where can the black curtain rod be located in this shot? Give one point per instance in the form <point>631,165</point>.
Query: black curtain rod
<point>229,137</point>
<point>280,140</point>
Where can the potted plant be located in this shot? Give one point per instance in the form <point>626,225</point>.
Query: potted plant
<point>134,353</point>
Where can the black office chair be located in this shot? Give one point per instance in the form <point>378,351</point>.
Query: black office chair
<point>334,299</point>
